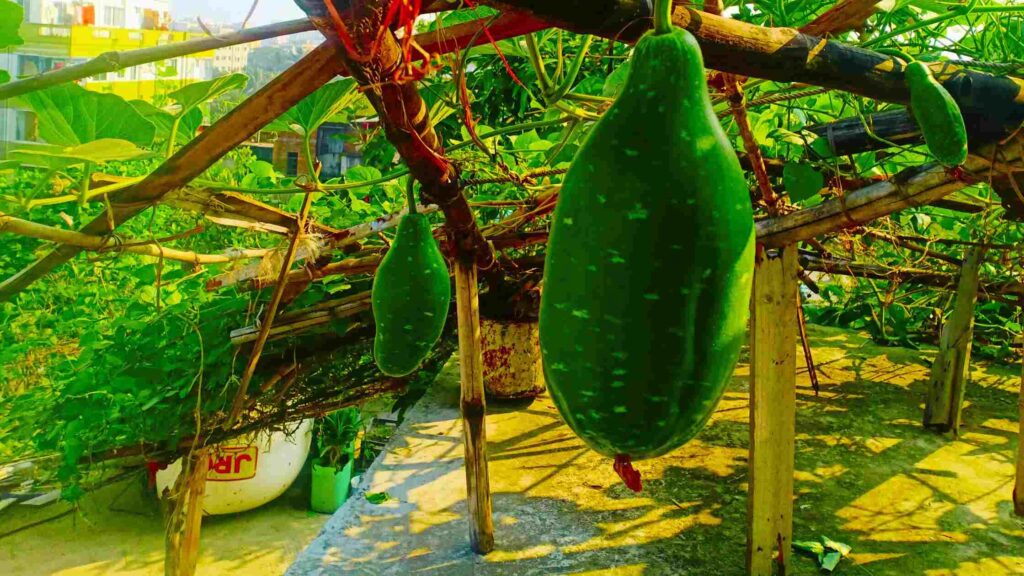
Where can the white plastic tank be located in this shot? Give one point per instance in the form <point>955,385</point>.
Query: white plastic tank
<point>248,471</point>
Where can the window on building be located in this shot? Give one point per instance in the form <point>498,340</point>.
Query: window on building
<point>113,16</point>
<point>292,167</point>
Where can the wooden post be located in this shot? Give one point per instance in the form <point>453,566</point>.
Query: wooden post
<point>950,370</point>
<point>1018,488</point>
<point>186,518</point>
<point>474,433</point>
<point>772,411</point>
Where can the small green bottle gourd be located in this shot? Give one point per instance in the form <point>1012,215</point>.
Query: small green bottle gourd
<point>410,297</point>
<point>938,115</point>
<point>649,264</point>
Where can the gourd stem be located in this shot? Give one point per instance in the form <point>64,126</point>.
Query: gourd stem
<point>663,17</point>
<point>410,195</point>
<point>896,53</point>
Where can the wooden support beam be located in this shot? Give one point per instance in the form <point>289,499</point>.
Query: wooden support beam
<point>846,15</point>
<point>912,187</point>
<point>302,79</point>
<point>13,225</point>
<point>182,536</point>
<point>474,408</point>
<point>1018,487</point>
<point>234,209</point>
<point>772,411</point>
<point>951,368</point>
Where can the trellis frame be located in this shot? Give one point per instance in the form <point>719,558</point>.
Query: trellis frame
<point>992,106</point>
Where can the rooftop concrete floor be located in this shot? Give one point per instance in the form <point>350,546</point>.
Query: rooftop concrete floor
<point>910,502</point>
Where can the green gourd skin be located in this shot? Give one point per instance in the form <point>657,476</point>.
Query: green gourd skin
<point>938,116</point>
<point>411,294</point>
<point>649,264</point>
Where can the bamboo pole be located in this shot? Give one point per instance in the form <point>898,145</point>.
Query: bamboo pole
<point>13,225</point>
<point>473,405</point>
<point>114,61</point>
<point>991,104</point>
<point>182,536</point>
<point>950,370</point>
<point>1018,488</point>
<point>772,412</point>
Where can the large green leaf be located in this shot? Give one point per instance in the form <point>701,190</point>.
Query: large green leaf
<point>319,107</point>
<point>11,15</point>
<point>70,115</point>
<point>97,152</point>
<point>4,76</point>
<point>801,181</point>
<point>164,121</point>
<point>191,96</point>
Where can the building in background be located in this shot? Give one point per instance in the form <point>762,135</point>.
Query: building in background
<point>333,145</point>
<point>60,33</point>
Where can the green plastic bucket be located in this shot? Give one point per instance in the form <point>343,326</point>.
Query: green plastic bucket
<point>330,487</point>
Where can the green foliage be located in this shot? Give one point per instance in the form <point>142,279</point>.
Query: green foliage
<point>11,15</point>
<point>191,96</point>
<point>801,181</point>
<point>336,435</point>
<point>163,121</point>
<point>319,107</point>
<point>97,151</point>
<point>70,115</point>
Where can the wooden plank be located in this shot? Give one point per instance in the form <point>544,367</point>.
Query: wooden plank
<point>949,372</point>
<point>183,527</point>
<point>474,409</point>
<point>772,411</point>
<point>1018,488</point>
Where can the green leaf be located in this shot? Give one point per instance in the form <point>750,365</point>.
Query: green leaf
<point>616,81</point>
<point>4,77</point>
<point>191,96</point>
<point>11,15</point>
<point>164,121</point>
<point>810,548</point>
<point>70,115</point>
<point>317,108</point>
<point>843,549</point>
<point>802,181</point>
<point>377,497</point>
<point>830,561</point>
<point>97,152</point>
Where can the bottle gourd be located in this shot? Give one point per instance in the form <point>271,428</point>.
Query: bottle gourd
<point>938,115</point>
<point>649,263</point>
<point>410,298</point>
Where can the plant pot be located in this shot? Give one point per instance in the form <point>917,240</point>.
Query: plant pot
<point>330,487</point>
<point>511,358</point>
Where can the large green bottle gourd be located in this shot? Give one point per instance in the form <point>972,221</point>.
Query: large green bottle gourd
<point>410,298</point>
<point>649,264</point>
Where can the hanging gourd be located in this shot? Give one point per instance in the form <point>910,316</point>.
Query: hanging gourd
<point>650,262</point>
<point>410,297</point>
<point>938,115</point>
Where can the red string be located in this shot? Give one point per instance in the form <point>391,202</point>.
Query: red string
<point>508,67</point>
<point>630,476</point>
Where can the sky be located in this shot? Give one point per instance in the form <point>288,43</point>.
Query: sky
<point>229,11</point>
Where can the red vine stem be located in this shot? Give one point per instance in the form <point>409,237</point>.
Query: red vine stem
<point>734,91</point>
